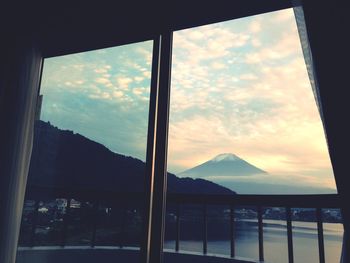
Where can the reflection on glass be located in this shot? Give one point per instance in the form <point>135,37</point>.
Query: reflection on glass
<point>86,178</point>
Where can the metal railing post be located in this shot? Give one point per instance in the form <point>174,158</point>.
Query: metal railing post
<point>261,234</point>
<point>320,235</point>
<point>232,228</point>
<point>65,222</point>
<point>34,223</point>
<point>177,241</point>
<point>205,229</point>
<point>94,224</point>
<point>289,235</point>
<point>122,225</point>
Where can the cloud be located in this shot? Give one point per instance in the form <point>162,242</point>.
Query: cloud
<point>218,42</point>
<point>123,82</point>
<point>248,76</point>
<point>79,66</point>
<point>147,74</point>
<point>255,26</point>
<point>218,65</point>
<point>256,103</point>
<point>146,53</point>
<point>102,80</point>
<point>93,95</point>
<point>118,94</point>
<point>256,42</point>
<point>101,70</point>
<point>238,87</point>
<point>138,79</point>
<point>286,46</point>
<point>283,16</point>
<point>79,82</point>
<point>139,91</point>
<point>101,96</point>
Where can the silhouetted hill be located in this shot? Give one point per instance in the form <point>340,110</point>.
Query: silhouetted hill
<point>66,160</point>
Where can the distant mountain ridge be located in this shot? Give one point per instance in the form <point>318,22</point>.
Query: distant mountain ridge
<point>226,164</point>
<point>229,170</point>
<point>63,159</point>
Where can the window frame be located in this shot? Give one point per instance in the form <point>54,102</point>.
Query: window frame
<point>158,122</point>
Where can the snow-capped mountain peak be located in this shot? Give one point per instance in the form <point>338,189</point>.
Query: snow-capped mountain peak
<point>225,164</point>
<point>225,157</point>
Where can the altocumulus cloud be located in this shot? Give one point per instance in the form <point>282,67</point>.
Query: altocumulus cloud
<point>241,86</point>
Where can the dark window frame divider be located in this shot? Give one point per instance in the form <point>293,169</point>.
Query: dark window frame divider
<point>157,147</point>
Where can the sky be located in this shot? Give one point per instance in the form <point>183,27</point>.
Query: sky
<point>239,87</point>
<point>103,95</point>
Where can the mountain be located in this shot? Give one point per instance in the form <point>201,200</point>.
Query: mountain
<point>231,171</point>
<point>226,164</point>
<point>63,159</point>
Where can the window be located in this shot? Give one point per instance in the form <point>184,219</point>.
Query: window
<point>243,113</point>
<point>243,116</point>
<point>90,149</point>
<point>243,121</point>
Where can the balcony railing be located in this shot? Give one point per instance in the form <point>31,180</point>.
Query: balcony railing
<point>232,201</point>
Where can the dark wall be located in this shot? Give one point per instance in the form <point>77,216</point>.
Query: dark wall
<point>327,24</point>
<point>74,26</point>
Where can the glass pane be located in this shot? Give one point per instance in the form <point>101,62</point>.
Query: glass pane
<point>246,234</point>
<point>242,111</point>
<point>218,230</point>
<point>86,180</point>
<point>333,232</point>
<point>305,239</point>
<point>244,121</point>
<point>81,223</point>
<point>48,223</point>
<point>275,234</point>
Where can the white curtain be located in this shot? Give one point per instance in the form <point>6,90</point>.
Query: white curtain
<point>20,76</point>
<point>304,40</point>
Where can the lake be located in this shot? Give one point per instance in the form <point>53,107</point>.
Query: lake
<point>305,242</point>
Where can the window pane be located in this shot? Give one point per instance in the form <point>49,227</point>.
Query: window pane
<point>243,118</point>
<point>333,231</point>
<point>86,180</point>
<point>242,110</point>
